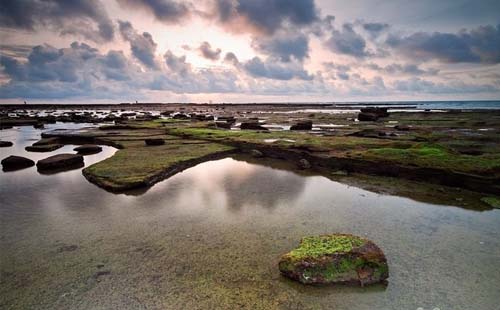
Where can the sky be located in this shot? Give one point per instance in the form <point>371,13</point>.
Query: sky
<point>110,51</point>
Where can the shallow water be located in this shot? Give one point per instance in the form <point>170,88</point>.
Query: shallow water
<point>211,237</point>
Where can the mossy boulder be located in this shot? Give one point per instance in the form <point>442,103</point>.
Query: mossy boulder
<point>335,259</point>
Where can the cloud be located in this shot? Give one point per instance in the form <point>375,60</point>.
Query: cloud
<point>273,70</point>
<point>410,69</point>
<point>83,17</point>
<point>166,11</point>
<point>142,46</point>
<point>231,58</point>
<point>177,64</point>
<point>209,53</point>
<point>418,85</point>
<point>375,29</point>
<point>264,16</point>
<point>478,45</point>
<point>283,46</point>
<point>347,42</point>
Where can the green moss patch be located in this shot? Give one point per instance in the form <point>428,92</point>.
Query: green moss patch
<point>492,201</point>
<point>316,246</point>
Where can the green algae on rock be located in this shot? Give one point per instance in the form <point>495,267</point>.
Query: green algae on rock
<point>492,201</point>
<point>335,259</point>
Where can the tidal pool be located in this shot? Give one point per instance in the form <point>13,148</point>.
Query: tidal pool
<point>211,237</point>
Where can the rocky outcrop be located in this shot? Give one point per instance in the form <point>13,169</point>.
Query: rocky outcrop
<point>152,142</point>
<point>60,161</point>
<point>304,164</point>
<point>335,259</point>
<point>302,125</point>
<point>367,117</point>
<point>88,149</point>
<point>43,148</point>
<point>256,153</point>
<point>12,163</point>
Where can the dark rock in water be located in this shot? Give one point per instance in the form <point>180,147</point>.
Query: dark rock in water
<point>88,149</point>
<point>12,163</point>
<point>227,119</point>
<point>402,127</point>
<point>251,126</point>
<point>304,164</point>
<point>180,116</point>
<point>367,117</point>
<point>154,141</point>
<point>43,148</point>
<point>335,259</point>
<point>39,126</point>
<point>302,125</point>
<point>60,161</point>
<point>256,153</point>
<point>380,112</point>
<point>6,143</point>
<point>223,125</point>
<point>167,113</point>
<point>369,133</point>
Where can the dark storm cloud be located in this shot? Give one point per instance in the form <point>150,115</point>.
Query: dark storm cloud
<point>274,70</point>
<point>60,15</point>
<point>209,53</point>
<point>348,42</point>
<point>284,46</point>
<point>480,45</point>
<point>167,11</point>
<point>142,45</point>
<point>266,16</point>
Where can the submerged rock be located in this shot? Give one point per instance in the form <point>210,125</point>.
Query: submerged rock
<point>60,161</point>
<point>6,143</point>
<point>256,153</point>
<point>304,164</point>
<point>88,149</point>
<point>154,141</point>
<point>13,162</point>
<point>302,125</point>
<point>335,259</point>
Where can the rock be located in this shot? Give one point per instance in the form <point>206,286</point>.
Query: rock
<point>335,259</point>
<point>340,173</point>
<point>45,141</point>
<point>493,202</point>
<point>256,153</point>
<point>43,148</point>
<point>12,163</point>
<point>180,116</point>
<point>367,117</point>
<point>60,161</point>
<point>39,126</point>
<point>251,126</point>
<point>151,142</point>
<point>380,112</point>
<point>223,125</point>
<point>302,125</point>
<point>304,164</point>
<point>227,119</point>
<point>88,149</point>
<point>166,113</point>
<point>6,143</point>
<point>402,127</point>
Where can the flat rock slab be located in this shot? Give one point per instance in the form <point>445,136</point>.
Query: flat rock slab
<point>60,161</point>
<point>46,141</point>
<point>88,149</point>
<point>13,162</point>
<point>335,259</point>
<point>43,148</point>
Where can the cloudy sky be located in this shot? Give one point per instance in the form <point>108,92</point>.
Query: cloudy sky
<point>248,50</point>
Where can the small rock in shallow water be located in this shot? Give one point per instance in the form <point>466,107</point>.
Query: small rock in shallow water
<point>5,143</point>
<point>59,161</point>
<point>335,259</point>
<point>13,162</point>
<point>88,149</point>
